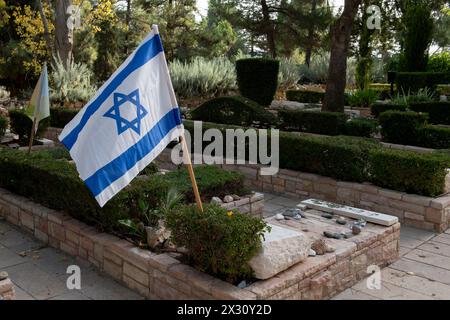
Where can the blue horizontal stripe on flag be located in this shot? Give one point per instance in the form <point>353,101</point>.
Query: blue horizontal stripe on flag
<point>106,176</point>
<point>144,54</point>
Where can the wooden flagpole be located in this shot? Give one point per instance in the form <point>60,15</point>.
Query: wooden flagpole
<point>32,135</point>
<point>188,162</point>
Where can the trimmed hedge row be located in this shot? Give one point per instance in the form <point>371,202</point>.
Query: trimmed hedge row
<point>257,79</point>
<point>356,159</point>
<point>413,81</point>
<point>378,108</point>
<point>438,111</point>
<point>327,123</point>
<point>233,110</point>
<point>56,184</point>
<point>21,124</point>
<point>305,96</point>
<point>411,128</point>
<point>60,117</point>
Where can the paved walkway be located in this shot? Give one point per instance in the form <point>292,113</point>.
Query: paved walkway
<point>39,272</point>
<point>422,272</point>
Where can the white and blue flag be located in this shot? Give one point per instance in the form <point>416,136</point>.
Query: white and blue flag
<point>129,121</point>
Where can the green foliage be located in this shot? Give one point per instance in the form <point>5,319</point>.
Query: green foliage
<point>217,242</point>
<point>401,127</point>
<point>21,124</point>
<point>233,110</point>
<point>417,36</point>
<point>439,62</point>
<point>328,123</point>
<point>3,125</point>
<point>305,96</point>
<point>342,158</point>
<point>289,73</point>
<point>258,79</point>
<point>433,137</point>
<point>108,59</point>
<point>202,77</point>
<point>361,128</point>
<point>56,184</point>
<point>382,89</point>
<point>412,172</point>
<point>362,98</point>
<point>60,117</point>
<point>438,111</point>
<point>411,82</point>
<point>70,84</point>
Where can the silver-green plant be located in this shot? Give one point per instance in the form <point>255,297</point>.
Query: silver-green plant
<point>202,77</point>
<point>289,73</point>
<point>422,95</point>
<point>4,94</point>
<point>71,83</point>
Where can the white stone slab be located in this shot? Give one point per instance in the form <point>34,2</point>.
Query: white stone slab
<point>281,249</point>
<point>356,213</point>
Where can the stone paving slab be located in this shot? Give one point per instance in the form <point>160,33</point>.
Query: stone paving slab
<point>422,270</point>
<point>39,272</point>
<point>426,257</point>
<point>436,247</point>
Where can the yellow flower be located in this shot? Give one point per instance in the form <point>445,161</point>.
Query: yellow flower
<point>230,214</point>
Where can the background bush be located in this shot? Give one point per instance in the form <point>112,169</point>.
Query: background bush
<point>21,124</point>
<point>414,81</point>
<point>233,110</point>
<point>362,98</point>
<point>361,128</point>
<point>60,117</point>
<point>305,96</point>
<point>438,111</point>
<point>3,126</point>
<point>328,123</point>
<point>202,77</point>
<point>218,243</point>
<point>378,108</point>
<point>412,172</point>
<point>258,79</point>
<point>434,137</point>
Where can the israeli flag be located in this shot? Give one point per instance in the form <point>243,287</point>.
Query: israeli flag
<point>129,121</point>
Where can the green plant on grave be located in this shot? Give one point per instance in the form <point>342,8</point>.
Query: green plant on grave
<point>171,202</point>
<point>219,242</point>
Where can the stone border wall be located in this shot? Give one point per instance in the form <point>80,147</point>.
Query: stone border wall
<point>251,204</point>
<point>414,210</point>
<point>7,290</point>
<point>161,276</point>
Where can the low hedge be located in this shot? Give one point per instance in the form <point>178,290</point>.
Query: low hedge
<point>60,117</point>
<point>305,96</point>
<point>434,137</point>
<point>412,172</point>
<point>233,110</point>
<point>383,90</point>
<point>349,159</point>
<point>401,127</point>
<point>378,108</point>
<point>21,124</point>
<point>328,123</point>
<point>413,81</point>
<point>56,184</point>
<point>257,79</point>
<point>438,111</point>
<point>361,128</point>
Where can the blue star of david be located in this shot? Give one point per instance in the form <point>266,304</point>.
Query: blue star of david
<point>122,123</point>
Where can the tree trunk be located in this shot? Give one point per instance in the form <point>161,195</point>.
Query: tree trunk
<point>63,35</point>
<point>337,72</point>
<point>309,45</point>
<point>269,29</point>
<point>47,34</point>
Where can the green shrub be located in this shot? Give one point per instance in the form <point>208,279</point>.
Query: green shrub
<point>378,108</point>
<point>3,126</point>
<point>361,128</point>
<point>438,111</point>
<point>289,73</point>
<point>443,89</point>
<point>202,77</point>
<point>439,62</point>
<point>60,117</point>
<point>218,243</point>
<point>56,184</point>
<point>401,127</point>
<point>305,96</point>
<point>413,81</point>
<point>382,89</point>
<point>434,137</point>
<point>362,98</point>
<point>233,110</point>
<point>21,124</point>
<point>412,172</point>
<point>258,79</point>
<point>321,122</point>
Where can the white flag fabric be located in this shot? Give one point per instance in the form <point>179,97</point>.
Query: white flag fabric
<point>129,121</point>
<point>39,107</point>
